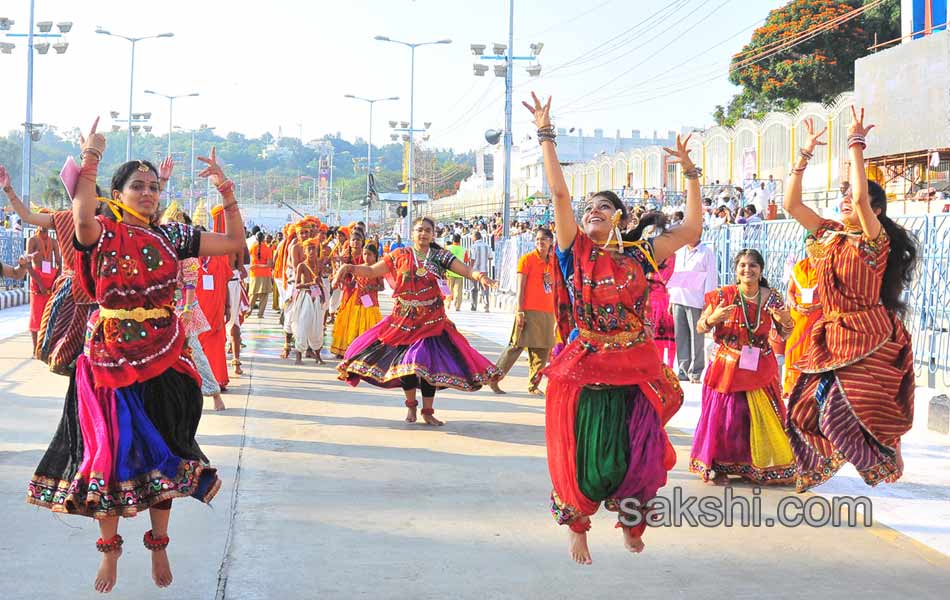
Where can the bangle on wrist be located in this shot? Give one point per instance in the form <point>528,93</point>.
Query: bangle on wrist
<point>225,187</point>
<point>806,154</point>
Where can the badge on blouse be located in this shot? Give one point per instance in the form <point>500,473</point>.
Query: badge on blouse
<point>421,271</point>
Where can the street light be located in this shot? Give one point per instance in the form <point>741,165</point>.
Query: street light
<point>202,127</point>
<point>32,131</point>
<point>412,88</point>
<point>133,40</point>
<point>503,52</point>
<point>369,143</point>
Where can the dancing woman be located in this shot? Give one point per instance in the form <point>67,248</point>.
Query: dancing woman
<point>805,310</point>
<point>741,422</point>
<point>416,347</point>
<point>138,395</point>
<point>604,424</point>
<point>855,397</point>
<point>360,310</point>
<point>661,317</point>
<point>341,326</point>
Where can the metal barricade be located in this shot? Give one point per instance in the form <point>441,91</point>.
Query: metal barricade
<point>12,245</point>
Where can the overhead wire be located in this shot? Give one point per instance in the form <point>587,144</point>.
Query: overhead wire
<point>753,59</point>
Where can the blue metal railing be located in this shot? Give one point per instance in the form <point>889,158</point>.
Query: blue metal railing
<point>11,247</point>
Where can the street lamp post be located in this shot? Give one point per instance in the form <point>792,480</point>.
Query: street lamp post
<point>31,129</point>
<point>369,144</point>
<point>133,40</point>
<point>171,101</point>
<point>412,88</point>
<point>505,53</point>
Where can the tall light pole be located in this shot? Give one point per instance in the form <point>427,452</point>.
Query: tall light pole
<point>32,131</point>
<point>133,40</point>
<point>412,88</point>
<point>505,53</point>
<point>171,102</point>
<point>369,143</point>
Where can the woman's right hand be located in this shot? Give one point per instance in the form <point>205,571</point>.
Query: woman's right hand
<point>722,312</point>
<point>814,138</point>
<point>542,114</point>
<point>4,178</point>
<point>94,141</point>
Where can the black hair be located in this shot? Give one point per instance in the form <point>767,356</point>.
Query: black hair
<point>185,218</point>
<point>372,247</point>
<point>260,241</point>
<point>256,230</point>
<point>543,231</point>
<point>477,235</point>
<point>759,260</point>
<point>456,238</point>
<point>125,171</point>
<point>902,258</point>
<point>424,219</point>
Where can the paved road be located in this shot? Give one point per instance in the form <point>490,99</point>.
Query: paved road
<point>328,494</point>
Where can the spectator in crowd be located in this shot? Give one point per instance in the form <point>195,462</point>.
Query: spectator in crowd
<point>455,280</point>
<point>481,254</point>
<point>695,275</point>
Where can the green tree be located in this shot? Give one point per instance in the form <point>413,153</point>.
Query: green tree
<point>815,70</point>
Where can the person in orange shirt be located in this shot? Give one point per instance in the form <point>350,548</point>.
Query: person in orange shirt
<point>262,273</point>
<point>534,322</point>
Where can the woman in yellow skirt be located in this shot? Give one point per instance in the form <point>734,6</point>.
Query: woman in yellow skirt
<point>360,308</point>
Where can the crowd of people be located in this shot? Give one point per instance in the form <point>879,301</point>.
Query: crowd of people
<point>140,310</point>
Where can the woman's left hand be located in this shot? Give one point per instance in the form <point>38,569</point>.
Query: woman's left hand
<point>681,154</point>
<point>857,124</point>
<point>213,170</point>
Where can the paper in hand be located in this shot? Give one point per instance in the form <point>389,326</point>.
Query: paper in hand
<point>70,176</point>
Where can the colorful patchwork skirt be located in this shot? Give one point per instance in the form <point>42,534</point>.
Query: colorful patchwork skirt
<point>742,433</point>
<point>120,451</point>
<point>445,360</point>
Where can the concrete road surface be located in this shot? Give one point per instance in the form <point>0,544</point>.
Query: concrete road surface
<point>329,494</point>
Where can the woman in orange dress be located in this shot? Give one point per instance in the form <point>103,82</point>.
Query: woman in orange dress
<point>805,310</point>
<point>854,398</point>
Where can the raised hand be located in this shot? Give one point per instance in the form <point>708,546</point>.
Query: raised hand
<point>542,113</point>
<point>94,141</point>
<point>814,138</point>
<point>26,259</point>
<point>213,170</point>
<point>4,178</point>
<point>681,154</point>
<point>857,124</point>
<point>166,168</point>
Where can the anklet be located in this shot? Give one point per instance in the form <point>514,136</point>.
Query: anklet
<point>155,543</point>
<point>110,545</point>
<point>578,526</point>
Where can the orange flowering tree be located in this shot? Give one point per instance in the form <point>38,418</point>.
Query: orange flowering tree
<point>814,70</point>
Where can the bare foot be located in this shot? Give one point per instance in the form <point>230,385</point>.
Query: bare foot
<point>431,420</point>
<point>161,569</point>
<point>285,353</point>
<point>299,360</point>
<point>720,479</point>
<point>218,402</point>
<point>494,387</point>
<point>106,575</point>
<point>237,369</point>
<point>411,415</point>
<point>899,458</point>
<point>319,359</point>
<point>633,543</point>
<point>578,546</point>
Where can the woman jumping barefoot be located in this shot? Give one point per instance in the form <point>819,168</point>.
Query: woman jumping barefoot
<point>609,394</point>
<point>137,390</point>
<point>416,346</point>
<point>854,398</point>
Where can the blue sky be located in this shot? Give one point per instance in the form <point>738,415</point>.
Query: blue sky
<point>260,66</point>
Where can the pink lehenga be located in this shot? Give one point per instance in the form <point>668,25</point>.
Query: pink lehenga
<point>660,316</point>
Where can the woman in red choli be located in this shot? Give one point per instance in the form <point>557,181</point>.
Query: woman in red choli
<point>609,395</point>
<point>138,394</point>
<point>416,347</point>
